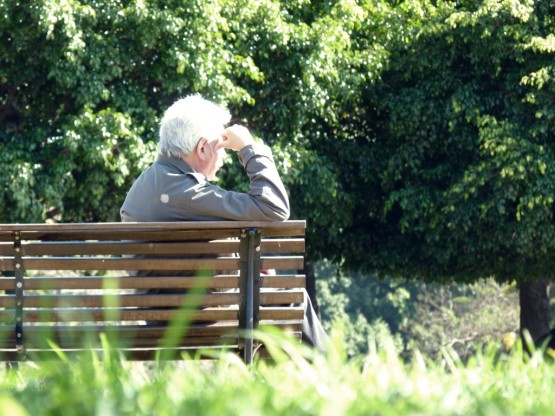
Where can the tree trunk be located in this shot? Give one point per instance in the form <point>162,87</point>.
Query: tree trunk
<point>534,308</point>
<point>311,285</point>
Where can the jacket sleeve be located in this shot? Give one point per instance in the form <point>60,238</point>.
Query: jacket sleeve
<point>267,199</point>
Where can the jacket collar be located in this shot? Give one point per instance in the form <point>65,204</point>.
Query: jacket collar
<point>177,163</point>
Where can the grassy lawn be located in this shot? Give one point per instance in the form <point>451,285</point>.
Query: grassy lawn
<point>296,381</point>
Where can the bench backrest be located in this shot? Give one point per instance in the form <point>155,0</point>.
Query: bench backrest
<point>65,284</point>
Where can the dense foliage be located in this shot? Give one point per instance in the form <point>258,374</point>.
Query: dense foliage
<point>416,137</point>
<point>83,84</point>
<point>453,175</point>
<point>407,131</point>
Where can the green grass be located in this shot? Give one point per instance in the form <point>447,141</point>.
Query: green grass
<point>297,381</point>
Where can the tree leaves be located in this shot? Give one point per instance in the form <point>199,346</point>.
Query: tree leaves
<point>466,132</point>
<point>415,137</point>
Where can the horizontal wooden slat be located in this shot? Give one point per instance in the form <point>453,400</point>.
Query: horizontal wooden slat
<point>97,314</point>
<point>149,231</point>
<point>281,313</point>
<point>108,263</point>
<point>283,263</point>
<point>158,282</point>
<point>170,235</point>
<point>281,297</point>
<point>187,225</point>
<point>131,331</point>
<point>175,235</point>
<point>87,342</point>
<point>7,264</point>
<point>285,281</point>
<point>88,248</point>
<point>123,301</point>
<point>141,342</point>
<point>6,249</point>
<point>135,336</point>
<point>123,282</point>
<point>147,300</point>
<point>142,354</point>
<point>125,331</point>
<point>283,245</point>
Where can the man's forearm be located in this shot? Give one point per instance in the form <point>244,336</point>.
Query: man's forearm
<point>266,185</point>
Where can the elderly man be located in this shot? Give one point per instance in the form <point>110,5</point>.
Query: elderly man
<point>177,187</point>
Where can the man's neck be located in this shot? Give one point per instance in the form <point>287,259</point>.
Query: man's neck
<point>193,161</point>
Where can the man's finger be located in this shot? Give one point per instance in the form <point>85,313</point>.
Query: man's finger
<point>220,144</point>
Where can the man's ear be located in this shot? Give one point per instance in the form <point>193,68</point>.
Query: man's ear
<point>201,148</point>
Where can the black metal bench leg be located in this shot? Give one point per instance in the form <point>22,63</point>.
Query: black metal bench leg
<point>249,289</point>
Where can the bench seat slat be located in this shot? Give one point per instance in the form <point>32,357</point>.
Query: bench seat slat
<point>99,315</point>
<point>284,281</point>
<point>71,301</point>
<point>147,300</point>
<point>132,342</point>
<point>283,263</point>
<point>128,248</point>
<point>177,235</point>
<point>200,337</point>
<point>135,354</point>
<point>160,282</point>
<point>188,341</point>
<point>6,249</point>
<point>63,335</point>
<point>121,233</point>
<point>290,226</point>
<point>64,248</point>
<point>110,263</point>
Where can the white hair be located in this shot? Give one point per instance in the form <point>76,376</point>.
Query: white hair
<point>186,121</point>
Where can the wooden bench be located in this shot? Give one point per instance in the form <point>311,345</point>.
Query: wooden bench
<point>66,284</point>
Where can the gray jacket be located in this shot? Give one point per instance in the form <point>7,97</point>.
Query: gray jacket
<point>170,190</point>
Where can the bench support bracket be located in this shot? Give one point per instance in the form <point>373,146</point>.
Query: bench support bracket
<point>249,286</point>
<point>19,273</point>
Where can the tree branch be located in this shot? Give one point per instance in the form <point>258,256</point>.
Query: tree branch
<point>8,108</point>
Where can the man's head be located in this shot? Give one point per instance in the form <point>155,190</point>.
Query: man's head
<point>187,121</point>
